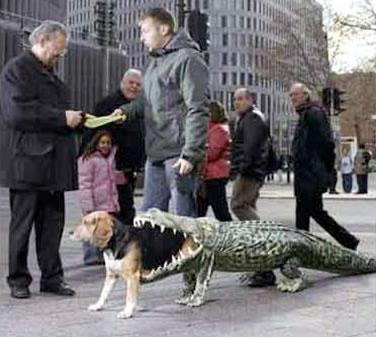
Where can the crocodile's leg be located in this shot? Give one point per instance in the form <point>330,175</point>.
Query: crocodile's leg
<point>202,280</point>
<point>189,279</point>
<point>293,279</point>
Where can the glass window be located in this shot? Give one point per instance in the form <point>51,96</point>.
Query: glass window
<point>225,39</point>
<point>234,79</point>
<point>242,79</point>
<point>224,22</point>
<point>224,61</point>
<point>234,59</point>
<point>250,80</point>
<point>224,78</point>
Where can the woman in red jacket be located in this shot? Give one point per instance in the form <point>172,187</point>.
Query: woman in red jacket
<point>216,166</point>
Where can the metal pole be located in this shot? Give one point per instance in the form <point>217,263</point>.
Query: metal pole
<point>181,13</point>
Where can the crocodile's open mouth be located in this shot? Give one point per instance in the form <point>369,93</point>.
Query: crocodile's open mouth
<point>187,250</point>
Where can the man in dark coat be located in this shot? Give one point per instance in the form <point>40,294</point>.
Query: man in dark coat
<point>38,157</point>
<point>313,157</point>
<point>129,139</point>
<point>249,163</point>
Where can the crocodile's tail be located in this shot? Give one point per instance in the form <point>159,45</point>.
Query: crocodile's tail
<point>330,257</point>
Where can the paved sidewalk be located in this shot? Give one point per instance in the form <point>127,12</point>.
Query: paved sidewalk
<point>332,306</point>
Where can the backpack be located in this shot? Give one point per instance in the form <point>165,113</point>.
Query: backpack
<point>272,159</point>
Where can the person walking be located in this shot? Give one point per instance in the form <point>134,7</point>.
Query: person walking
<point>174,106</point>
<point>313,157</point>
<point>98,180</point>
<point>216,166</point>
<point>127,137</point>
<point>346,168</point>
<point>38,157</point>
<point>362,159</point>
<point>249,163</point>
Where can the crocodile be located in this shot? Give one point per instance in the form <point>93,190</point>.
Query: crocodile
<point>246,246</point>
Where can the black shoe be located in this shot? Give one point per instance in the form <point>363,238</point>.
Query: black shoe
<point>19,292</point>
<point>259,279</point>
<point>353,245</point>
<point>61,289</point>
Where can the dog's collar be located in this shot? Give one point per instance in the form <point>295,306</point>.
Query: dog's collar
<point>117,240</point>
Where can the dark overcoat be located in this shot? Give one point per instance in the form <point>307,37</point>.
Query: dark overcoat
<point>313,150</point>
<point>37,149</point>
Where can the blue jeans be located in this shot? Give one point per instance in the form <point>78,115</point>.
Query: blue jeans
<point>347,182</point>
<point>162,184</point>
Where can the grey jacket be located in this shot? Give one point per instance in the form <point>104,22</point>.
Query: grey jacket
<point>175,102</point>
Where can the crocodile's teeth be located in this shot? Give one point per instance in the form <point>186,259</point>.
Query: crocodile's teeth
<point>174,260</point>
<point>162,228</point>
<point>181,254</point>
<point>153,225</point>
<point>165,264</point>
<point>174,231</point>
<point>185,235</point>
<point>195,239</point>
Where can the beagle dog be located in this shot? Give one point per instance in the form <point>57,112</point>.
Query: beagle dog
<point>129,252</point>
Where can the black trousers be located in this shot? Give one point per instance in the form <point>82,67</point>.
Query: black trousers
<point>46,211</point>
<point>214,195</point>
<point>311,205</point>
<point>362,182</point>
<point>126,203</point>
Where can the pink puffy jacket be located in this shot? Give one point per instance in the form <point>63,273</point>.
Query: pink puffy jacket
<point>97,181</point>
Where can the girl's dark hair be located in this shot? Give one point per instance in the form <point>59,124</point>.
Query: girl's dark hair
<point>92,145</point>
<point>217,112</point>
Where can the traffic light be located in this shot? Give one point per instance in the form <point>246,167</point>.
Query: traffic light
<point>198,27</point>
<point>338,101</point>
<point>326,98</point>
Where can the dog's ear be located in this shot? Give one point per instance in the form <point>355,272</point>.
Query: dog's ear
<point>103,232</point>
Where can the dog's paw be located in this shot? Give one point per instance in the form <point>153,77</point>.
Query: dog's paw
<point>124,314</point>
<point>183,300</point>
<point>195,301</point>
<point>95,307</point>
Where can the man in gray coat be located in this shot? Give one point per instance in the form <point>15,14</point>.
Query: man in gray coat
<point>175,111</point>
<point>37,157</point>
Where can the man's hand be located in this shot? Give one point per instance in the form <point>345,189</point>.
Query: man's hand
<point>74,118</point>
<point>183,166</point>
<point>119,112</point>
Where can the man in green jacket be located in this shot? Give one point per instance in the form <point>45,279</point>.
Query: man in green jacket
<point>174,106</point>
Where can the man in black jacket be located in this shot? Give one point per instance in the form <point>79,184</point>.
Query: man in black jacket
<point>38,157</point>
<point>129,139</point>
<point>313,157</point>
<point>249,163</point>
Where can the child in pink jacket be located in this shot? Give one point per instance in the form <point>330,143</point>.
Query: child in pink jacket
<point>98,178</point>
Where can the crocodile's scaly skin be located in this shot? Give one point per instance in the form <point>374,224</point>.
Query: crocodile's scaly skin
<point>251,246</point>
